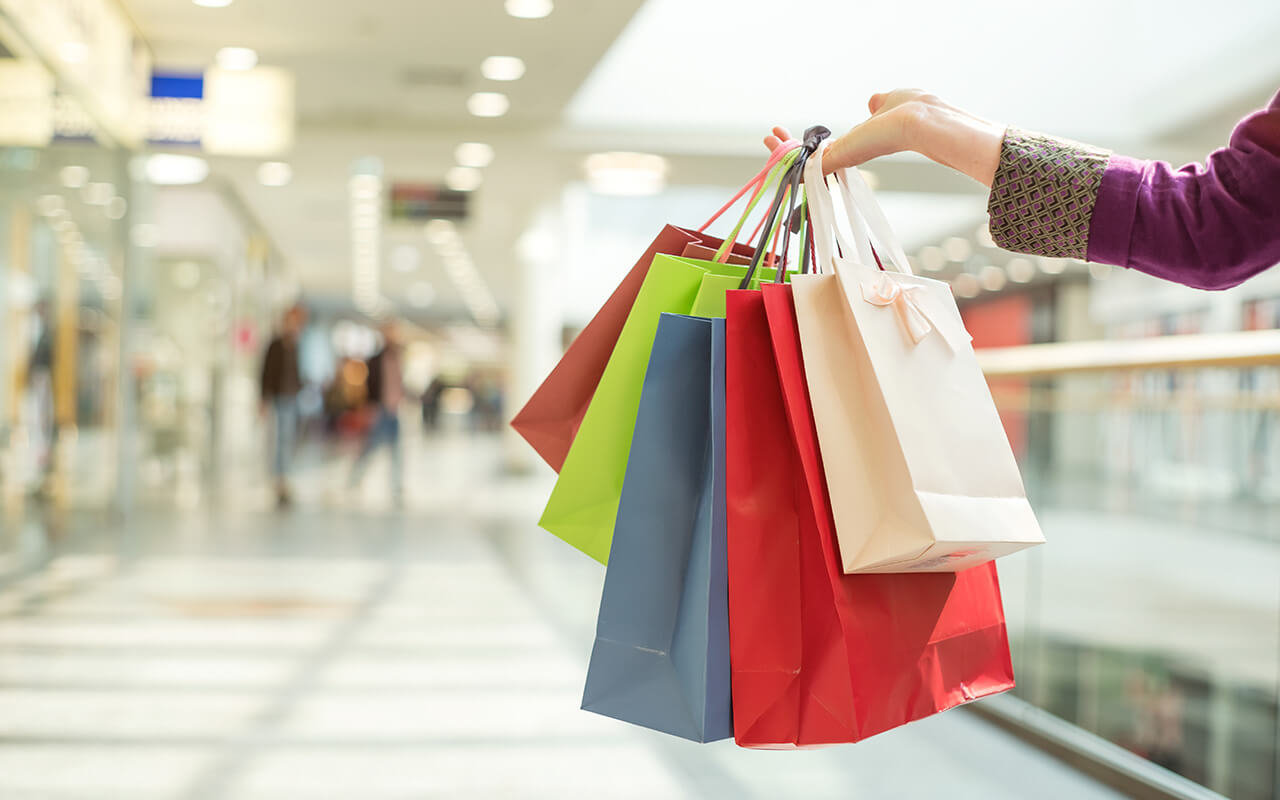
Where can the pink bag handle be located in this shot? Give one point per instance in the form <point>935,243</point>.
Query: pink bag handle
<point>757,182</point>
<point>779,159</point>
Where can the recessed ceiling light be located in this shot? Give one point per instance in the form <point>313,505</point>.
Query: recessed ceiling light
<point>488,104</point>
<point>1021,270</point>
<point>213,3</point>
<point>626,173</point>
<point>957,249</point>
<point>74,176</point>
<point>502,68</point>
<point>474,154</point>
<point>993,278</point>
<point>116,208</point>
<point>463,179</point>
<point>529,9</point>
<point>1053,266</point>
<point>170,169</point>
<point>274,173</point>
<point>965,285</point>
<point>932,258</point>
<point>237,58</point>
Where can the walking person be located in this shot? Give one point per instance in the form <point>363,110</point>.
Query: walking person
<point>385,386</point>
<point>281,382</point>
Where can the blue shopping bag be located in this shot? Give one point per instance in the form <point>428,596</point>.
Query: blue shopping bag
<point>661,655</point>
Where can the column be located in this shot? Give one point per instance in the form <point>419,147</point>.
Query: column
<point>66,357</point>
<point>126,258</point>
<point>537,323</point>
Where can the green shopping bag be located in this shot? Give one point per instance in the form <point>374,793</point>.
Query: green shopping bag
<point>584,503</point>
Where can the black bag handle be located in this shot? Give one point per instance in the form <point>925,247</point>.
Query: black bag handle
<point>791,182</point>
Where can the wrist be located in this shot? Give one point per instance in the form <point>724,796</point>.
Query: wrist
<point>959,140</point>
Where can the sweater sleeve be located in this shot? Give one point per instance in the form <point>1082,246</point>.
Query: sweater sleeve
<point>1210,226</point>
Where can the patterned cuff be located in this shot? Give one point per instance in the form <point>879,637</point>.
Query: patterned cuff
<point>1043,194</point>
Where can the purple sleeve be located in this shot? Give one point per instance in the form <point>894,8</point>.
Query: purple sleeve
<point>1211,226</point>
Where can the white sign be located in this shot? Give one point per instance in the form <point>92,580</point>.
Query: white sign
<point>26,104</point>
<point>248,112</point>
<point>94,51</point>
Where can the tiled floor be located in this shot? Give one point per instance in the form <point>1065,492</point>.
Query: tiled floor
<point>348,652</point>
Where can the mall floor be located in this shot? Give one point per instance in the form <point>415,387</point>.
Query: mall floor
<point>347,649</point>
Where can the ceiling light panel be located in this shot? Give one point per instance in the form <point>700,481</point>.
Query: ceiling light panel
<point>502,68</point>
<point>237,58</point>
<point>529,9</point>
<point>488,104</point>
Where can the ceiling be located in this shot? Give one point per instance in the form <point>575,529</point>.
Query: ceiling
<point>698,81</point>
<point>390,79</point>
<point>1113,72</point>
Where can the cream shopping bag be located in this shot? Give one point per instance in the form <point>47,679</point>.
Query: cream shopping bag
<point>920,471</point>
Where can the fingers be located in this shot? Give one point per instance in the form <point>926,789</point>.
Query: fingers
<point>876,103</point>
<point>779,135</point>
<point>878,136</point>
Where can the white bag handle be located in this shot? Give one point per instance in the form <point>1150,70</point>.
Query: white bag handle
<point>823,216</point>
<point>858,195</point>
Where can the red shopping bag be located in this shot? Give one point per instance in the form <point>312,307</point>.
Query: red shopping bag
<point>817,656</point>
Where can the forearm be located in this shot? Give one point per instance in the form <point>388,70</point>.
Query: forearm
<point>957,139</point>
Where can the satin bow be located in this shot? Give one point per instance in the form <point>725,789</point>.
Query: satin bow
<point>884,291</point>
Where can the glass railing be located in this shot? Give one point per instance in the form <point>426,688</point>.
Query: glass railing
<point>1152,616</point>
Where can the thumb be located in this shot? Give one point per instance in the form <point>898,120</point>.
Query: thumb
<point>838,154</point>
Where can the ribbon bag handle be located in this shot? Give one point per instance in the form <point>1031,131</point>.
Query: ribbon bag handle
<point>788,187</point>
<point>813,138</point>
<point>860,201</point>
<point>776,174</point>
<point>755,183</point>
<point>823,223</point>
<point>772,169</point>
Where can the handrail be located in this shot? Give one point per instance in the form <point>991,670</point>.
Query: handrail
<point>1239,349</point>
<point>1104,761</point>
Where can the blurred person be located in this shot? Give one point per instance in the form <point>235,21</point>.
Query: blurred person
<point>1210,226</point>
<point>385,392</point>
<point>40,394</point>
<point>431,404</point>
<point>281,383</point>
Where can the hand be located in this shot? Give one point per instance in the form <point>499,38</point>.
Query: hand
<point>911,119</point>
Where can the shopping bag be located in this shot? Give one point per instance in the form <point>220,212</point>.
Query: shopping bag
<point>661,654</point>
<point>818,656</point>
<point>551,417</point>
<point>921,474</point>
<point>584,501</point>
